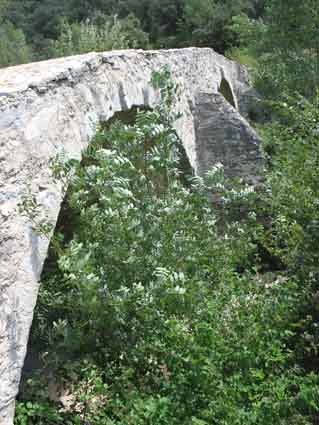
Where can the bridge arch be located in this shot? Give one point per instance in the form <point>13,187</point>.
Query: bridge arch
<point>226,91</point>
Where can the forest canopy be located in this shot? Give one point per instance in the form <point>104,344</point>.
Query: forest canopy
<point>165,23</point>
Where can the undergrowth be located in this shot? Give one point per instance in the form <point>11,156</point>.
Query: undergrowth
<point>160,308</point>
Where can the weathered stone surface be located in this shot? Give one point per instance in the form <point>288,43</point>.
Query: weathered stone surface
<point>49,105</point>
<point>222,135</point>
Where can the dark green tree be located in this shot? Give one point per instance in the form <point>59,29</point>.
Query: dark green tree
<point>285,44</point>
<point>292,40</point>
<point>209,21</point>
<point>13,46</point>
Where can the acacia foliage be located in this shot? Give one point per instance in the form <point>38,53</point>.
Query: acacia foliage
<point>153,313</point>
<point>292,144</point>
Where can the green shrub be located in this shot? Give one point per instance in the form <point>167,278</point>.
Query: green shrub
<point>292,143</point>
<point>13,47</point>
<point>107,34</point>
<point>156,312</point>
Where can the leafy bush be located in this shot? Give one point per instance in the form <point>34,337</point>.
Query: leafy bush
<point>209,21</point>
<point>107,34</point>
<point>292,143</point>
<point>156,312</point>
<point>285,46</point>
<point>13,47</point>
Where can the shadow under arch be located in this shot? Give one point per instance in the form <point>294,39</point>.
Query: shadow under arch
<point>226,91</point>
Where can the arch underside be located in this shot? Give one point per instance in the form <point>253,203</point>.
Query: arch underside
<point>226,91</point>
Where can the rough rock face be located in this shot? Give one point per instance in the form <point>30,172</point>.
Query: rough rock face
<point>57,104</point>
<point>222,135</point>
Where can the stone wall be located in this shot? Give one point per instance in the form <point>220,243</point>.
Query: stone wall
<point>57,104</point>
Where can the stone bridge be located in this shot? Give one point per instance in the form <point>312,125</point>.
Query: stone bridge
<point>57,104</point>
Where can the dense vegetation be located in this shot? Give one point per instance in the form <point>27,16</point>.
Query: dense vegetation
<point>49,28</point>
<point>158,307</point>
